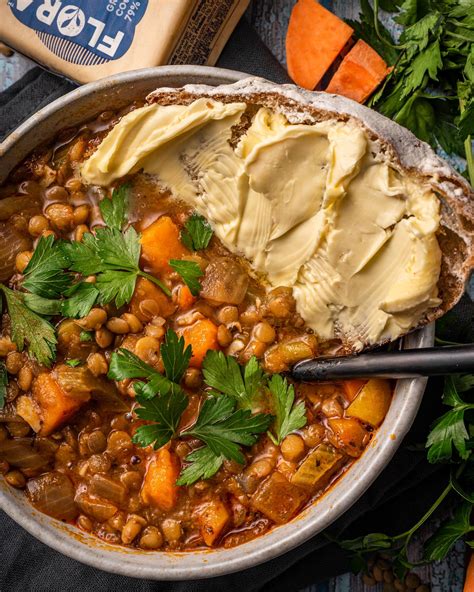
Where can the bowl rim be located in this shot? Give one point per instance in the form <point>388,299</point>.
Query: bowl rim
<point>204,564</point>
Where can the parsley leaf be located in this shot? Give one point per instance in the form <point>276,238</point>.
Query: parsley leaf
<point>125,364</point>
<point>175,356</point>
<point>3,384</point>
<point>439,545</point>
<point>85,336</point>
<point>44,274</point>
<point>81,298</point>
<point>28,327</point>
<point>114,210</point>
<point>223,429</point>
<point>190,272</point>
<point>203,464</point>
<point>73,362</point>
<point>42,306</point>
<point>197,233</point>
<point>224,374</point>
<point>113,257</point>
<point>165,411</point>
<point>450,430</point>
<point>288,418</point>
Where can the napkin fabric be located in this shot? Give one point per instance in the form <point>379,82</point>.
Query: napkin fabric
<point>399,496</point>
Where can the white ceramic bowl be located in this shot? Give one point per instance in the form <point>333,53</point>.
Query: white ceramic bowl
<point>73,108</point>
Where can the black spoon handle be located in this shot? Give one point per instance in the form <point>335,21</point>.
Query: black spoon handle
<point>408,363</point>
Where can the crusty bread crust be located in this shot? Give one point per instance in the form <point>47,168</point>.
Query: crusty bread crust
<point>405,152</point>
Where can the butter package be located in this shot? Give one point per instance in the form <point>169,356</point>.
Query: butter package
<point>90,39</point>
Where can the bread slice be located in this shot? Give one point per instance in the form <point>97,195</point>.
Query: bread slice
<point>398,146</point>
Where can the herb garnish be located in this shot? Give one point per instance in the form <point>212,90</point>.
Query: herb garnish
<point>225,421</point>
<point>73,363</point>
<point>114,210</point>
<point>197,233</point>
<point>190,272</point>
<point>29,328</point>
<point>449,440</point>
<point>44,274</point>
<point>224,374</point>
<point>85,336</point>
<point>288,418</point>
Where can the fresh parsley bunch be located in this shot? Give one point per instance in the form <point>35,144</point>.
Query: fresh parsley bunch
<point>431,87</point>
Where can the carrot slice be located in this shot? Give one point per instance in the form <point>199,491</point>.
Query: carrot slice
<point>160,243</point>
<point>360,73</point>
<point>352,387</point>
<point>201,336</point>
<point>314,39</point>
<point>469,582</point>
<point>159,486</point>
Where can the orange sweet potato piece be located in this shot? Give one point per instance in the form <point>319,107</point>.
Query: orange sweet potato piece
<point>372,402</point>
<point>184,298</point>
<point>54,404</point>
<point>159,486</point>
<point>349,435</point>
<point>149,301</point>
<point>359,74</point>
<point>160,242</point>
<point>213,518</point>
<point>314,39</point>
<point>352,387</point>
<point>201,336</point>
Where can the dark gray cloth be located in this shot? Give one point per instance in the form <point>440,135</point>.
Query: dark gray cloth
<point>399,496</point>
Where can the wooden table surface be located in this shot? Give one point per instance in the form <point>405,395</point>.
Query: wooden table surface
<point>270,19</point>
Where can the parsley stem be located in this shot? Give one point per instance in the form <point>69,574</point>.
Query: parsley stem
<point>155,281</point>
<point>408,534</point>
<point>469,159</point>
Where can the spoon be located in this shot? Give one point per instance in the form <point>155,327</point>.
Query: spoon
<point>408,363</point>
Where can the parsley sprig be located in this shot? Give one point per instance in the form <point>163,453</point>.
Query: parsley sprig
<point>225,422</point>
<point>450,440</point>
<point>28,328</point>
<point>197,233</point>
<point>225,375</point>
<point>190,272</point>
<point>288,417</point>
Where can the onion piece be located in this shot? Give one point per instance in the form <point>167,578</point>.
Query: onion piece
<point>20,453</point>
<point>53,494</point>
<point>225,281</point>
<point>105,487</point>
<point>18,203</point>
<point>11,243</point>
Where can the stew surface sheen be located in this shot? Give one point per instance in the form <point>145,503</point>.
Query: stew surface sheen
<point>71,434</point>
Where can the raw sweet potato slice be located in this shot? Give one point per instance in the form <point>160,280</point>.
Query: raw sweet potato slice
<point>360,73</point>
<point>314,39</point>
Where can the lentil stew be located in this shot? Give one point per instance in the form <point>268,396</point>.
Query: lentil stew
<point>143,387</point>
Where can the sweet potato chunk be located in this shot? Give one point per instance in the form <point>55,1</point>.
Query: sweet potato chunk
<point>160,243</point>
<point>278,499</point>
<point>314,39</point>
<point>54,405</point>
<point>159,486</point>
<point>352,388</point>
<point>213,517</point>
<point>149,301</point>
<point>201,336</point>
<point>348,435</point>
<point>317,467</point>
<point>372,402</point>
<point>360,73</point>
